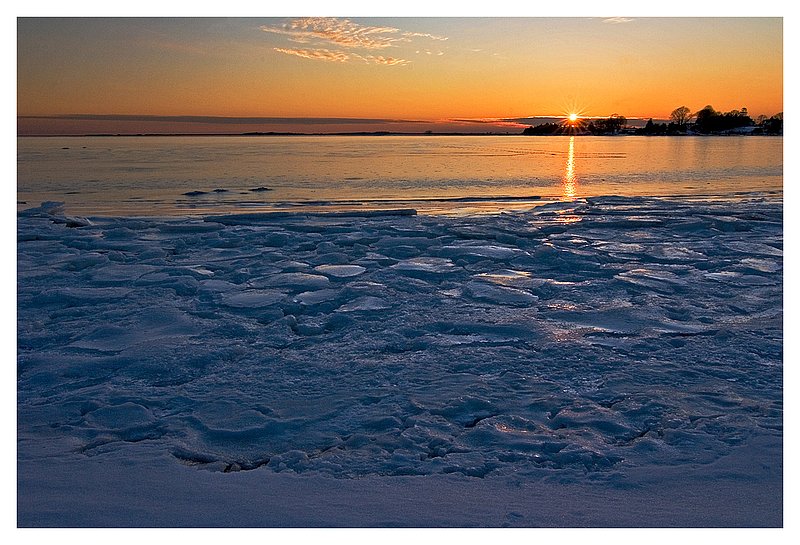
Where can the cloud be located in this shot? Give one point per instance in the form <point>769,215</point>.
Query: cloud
<point>343,33</point>
<point>380,59</point>
<point>424,35</point>
<point>341,56</point>
<point>318,54</point>
<point>617,20</point>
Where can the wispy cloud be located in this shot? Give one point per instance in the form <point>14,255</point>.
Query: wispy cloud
<point>341,56</point>
<point>380,59</point>
<point>343,33</point>
<point>424,35</point>
<point>617,20</point>
<point>319,54</point>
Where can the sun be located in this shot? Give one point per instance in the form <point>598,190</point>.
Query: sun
<point>572,119</point>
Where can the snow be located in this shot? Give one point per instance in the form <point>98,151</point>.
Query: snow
<point>607,362</point>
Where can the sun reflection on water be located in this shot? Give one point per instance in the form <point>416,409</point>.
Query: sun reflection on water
<point>570,182</point>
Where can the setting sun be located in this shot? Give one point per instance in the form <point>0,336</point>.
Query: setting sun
<point>573,118</point>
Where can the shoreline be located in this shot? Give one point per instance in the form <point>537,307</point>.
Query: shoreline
<point>459,206</point>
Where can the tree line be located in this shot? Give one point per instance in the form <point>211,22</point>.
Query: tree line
<point>710,121</point>
<point>681,121</point>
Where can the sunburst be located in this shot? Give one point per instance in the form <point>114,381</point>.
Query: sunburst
<point>573,118</point>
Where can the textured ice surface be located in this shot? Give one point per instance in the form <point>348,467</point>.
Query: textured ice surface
<point>583,340</point>
<point>341,271</point>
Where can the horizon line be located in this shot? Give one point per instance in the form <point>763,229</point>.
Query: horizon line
<point>300,120</point>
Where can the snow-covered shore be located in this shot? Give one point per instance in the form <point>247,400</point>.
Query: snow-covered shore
<point>610,362</point>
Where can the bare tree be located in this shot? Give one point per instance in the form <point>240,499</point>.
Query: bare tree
<point>680,116</point>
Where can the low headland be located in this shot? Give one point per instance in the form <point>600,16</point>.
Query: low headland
<point>681,122</point>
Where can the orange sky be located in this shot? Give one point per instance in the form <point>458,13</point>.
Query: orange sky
<point>419,69</point>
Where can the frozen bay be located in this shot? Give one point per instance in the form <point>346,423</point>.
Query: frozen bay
<point>617,358</point>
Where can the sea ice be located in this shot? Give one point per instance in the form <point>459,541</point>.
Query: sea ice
<point>365,303</point>
<point>340,271</point>
<point>500,295</point>
<point>296,281</point>
<point>425,267</point>
<point>253,298</point>
<point>620,356</point>
<point>500,253</point>
<point>316,297</point>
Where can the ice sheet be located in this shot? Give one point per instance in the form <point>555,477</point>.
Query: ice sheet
<point>641,338</point>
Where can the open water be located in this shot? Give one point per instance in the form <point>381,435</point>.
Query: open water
<point>180,175</point>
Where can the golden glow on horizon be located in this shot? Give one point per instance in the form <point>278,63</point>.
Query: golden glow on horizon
<point>572,118</point>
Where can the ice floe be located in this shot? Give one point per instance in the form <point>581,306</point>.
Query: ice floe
<point>640,335</point>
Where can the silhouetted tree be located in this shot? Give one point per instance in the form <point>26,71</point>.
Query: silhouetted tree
<point>652,129</point>
<point>703,118</point>
<point>681,116</point>
<point>709,120</point>
<point>773,125</point>
<point>612,125</point>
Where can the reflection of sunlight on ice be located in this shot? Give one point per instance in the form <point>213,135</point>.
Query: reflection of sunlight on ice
<point>562,305</point>
<point>567,217</point>
<point>565,335</point>
<point>570,181</point>
<point>508,429</point>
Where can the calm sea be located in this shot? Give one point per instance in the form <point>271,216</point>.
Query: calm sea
<point>198,175</point>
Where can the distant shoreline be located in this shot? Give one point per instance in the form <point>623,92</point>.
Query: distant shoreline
<point>376,133</point>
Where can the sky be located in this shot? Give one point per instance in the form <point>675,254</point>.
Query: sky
<point>400,74</point>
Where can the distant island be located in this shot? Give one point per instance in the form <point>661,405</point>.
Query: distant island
<point>682,121</point>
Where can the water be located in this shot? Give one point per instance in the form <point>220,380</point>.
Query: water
<point>138,176</point>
